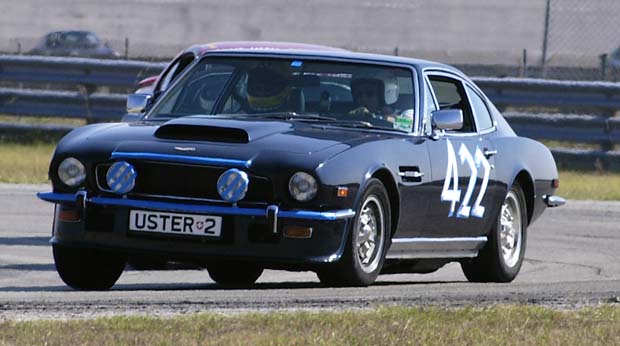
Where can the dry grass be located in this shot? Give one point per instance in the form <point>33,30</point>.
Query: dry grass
<point>590,185</point>
<point>42,120</point>
<point>24,163</point>
<point>500,325</point>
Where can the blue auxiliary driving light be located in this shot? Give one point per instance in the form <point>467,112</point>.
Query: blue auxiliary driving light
<point>121,177</point>
<point>232,185</point>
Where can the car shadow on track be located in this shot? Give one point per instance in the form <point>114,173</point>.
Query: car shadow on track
<point>216,287</point>
<point>28,267</point>
<point>25,241</point>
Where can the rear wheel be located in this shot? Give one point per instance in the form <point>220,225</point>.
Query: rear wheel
<point>367,244</point>
<point>88,269</point>
<point>501,258</point>
<point>235,274</point>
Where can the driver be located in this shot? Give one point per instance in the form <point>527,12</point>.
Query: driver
<point>370,96</point>
<point>267,89</point>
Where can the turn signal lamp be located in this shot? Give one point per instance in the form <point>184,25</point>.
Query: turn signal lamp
<point>298,232</point>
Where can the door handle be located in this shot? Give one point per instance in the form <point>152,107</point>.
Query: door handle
<point>488,153</point>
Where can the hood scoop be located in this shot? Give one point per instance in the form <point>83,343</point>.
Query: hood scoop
<point>184,132</point>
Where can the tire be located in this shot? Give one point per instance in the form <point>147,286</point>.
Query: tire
<point>88,269</point>
<point>501,258</point>
<point>367,242</point>
<point>234,274</point>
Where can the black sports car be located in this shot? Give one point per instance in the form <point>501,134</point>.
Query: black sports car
<point>346,164</point>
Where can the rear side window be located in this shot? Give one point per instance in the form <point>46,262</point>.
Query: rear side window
<point>481,112</point>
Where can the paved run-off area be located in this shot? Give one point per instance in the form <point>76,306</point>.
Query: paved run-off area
<point>572,259</point>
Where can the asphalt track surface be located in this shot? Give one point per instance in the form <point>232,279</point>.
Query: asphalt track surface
<point>572,260</point>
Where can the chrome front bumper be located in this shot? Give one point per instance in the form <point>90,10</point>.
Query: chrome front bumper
<point>272,212</point>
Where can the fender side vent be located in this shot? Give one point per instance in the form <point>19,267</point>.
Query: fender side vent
<point>202,133</point>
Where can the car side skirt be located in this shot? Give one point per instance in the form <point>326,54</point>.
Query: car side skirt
<point>414,248</point>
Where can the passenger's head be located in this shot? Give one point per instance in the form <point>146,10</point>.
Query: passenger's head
<point>267,89</point>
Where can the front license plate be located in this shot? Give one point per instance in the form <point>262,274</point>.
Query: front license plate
<point>173,223</point>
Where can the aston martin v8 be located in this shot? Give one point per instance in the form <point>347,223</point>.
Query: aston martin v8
<point>346,164</point>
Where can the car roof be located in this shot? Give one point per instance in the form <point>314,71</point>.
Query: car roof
<point>201,49</point>
<point>336,53</point>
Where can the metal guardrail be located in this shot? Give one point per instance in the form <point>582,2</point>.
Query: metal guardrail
<point>573,128</point>
<point>92,107</point>
<point>571,95</point>
<point>95,72</point>
<point>597,97</point>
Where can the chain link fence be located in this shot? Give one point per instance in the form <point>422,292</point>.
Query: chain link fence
<point>581,40</point>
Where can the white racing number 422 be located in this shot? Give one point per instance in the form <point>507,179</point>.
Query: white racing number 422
<point>453,193</point>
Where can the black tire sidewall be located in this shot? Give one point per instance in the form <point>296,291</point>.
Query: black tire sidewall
<point>373,187</point>
<point>88,269</point>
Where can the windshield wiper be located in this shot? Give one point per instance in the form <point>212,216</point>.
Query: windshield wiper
<point>364,125</point>
<point>291,116</point>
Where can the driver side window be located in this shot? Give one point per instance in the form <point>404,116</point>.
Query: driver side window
<point>450,94</point>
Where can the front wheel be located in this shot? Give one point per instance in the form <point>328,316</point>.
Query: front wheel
<point>501,258</point>
<point>88,269</point>
<point>368,241</point>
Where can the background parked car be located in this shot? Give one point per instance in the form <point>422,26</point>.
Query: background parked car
<point>74,43</point>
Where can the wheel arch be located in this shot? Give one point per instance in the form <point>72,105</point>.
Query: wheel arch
<point>386,178</point>
<point>524,179</point>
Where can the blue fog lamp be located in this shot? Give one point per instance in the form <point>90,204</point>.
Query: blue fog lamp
<point>232,185</point>
<point>121,177</point>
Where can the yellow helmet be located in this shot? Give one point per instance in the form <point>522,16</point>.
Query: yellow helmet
<point>267,88</point>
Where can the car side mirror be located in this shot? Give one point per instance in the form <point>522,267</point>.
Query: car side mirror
<point>136,103</point>
<point>447,119</point>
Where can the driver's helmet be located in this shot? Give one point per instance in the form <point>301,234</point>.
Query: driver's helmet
<point>267,88</point>
<point>386,86</point>
<point>207,97</point>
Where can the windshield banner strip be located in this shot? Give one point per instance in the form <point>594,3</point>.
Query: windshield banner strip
<point>182,159</point>
<point>329,215</point>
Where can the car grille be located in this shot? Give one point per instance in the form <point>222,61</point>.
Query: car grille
<point>185,181</point>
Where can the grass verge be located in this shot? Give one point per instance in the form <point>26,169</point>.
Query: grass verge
<point>589,185</point>
<point>25,163</point>
<point>35,120</point>
<point>499,325</point>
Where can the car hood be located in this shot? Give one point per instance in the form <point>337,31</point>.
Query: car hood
<point>256,141</point>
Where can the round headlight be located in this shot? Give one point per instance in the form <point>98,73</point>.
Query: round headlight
<point>302,186</point>
<point>71,172</point>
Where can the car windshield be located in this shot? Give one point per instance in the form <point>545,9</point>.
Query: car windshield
<point>343,94</point>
